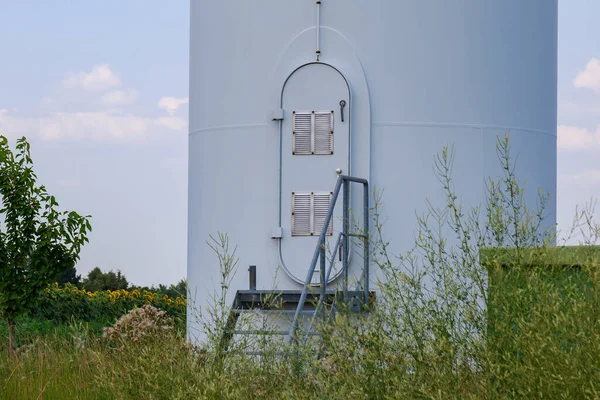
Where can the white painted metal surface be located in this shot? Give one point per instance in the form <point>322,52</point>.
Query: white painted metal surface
<point>421,74</point>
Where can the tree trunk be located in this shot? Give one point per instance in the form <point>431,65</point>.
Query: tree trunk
<point>11,336</point>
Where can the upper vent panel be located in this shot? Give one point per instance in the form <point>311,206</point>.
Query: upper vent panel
<point>312,133</point>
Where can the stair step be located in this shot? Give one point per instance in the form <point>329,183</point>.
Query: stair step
<point>289,312</point>
<point>257,353</point>
<point>267,332</point>
<point>259,332</point>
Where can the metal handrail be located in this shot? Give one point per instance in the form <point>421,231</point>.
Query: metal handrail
<point>321,298</point>
<point>343,181</point>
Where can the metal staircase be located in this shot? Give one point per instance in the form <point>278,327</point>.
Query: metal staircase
<point>309,305</point>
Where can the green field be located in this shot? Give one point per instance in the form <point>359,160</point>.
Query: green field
<point>540,339</point>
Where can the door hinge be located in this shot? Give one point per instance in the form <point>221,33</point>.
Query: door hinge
<point>277,114</point>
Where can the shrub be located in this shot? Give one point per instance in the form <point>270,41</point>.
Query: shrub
<point>139,323</point>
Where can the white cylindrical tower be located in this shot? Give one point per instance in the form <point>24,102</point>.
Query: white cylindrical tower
<point>286,94</point>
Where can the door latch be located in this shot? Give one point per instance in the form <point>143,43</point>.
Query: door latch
<point>342,105</point>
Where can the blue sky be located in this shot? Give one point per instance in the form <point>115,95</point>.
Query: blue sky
<point>578,106</point>
<point>100,89</point>
<point>84,80</point>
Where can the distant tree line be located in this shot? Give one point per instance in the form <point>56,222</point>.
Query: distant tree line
<point>98,280</point>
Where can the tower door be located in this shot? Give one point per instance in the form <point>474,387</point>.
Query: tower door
<point>315,148</point>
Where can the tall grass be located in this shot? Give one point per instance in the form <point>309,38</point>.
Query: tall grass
<point>55,365</point>
<point>446,325</point>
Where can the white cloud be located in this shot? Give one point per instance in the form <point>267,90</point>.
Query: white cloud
<point>590,77</point>
<point>91,125</point>
<point>98,124</point>
<point>13,126</point>
<point>174,123</point>
<point>104,126</point>
<point>101,77</point>
<point>47,101</point>
<point>573,138</point>
<point>120,97</point>
<point>172,104</point>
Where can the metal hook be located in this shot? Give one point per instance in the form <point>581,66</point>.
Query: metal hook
<point>342,105</point>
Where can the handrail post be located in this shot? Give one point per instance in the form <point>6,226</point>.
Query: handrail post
<point>345,230</point>
<point>366,241</point>
<point>252,277</point>
<point>321,300</point>
<point>322,271</point>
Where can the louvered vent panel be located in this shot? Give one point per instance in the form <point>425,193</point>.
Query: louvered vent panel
<point>302,135</point>
<point>301,214</point>
<point>320,207</point>
<point>323,133</point>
